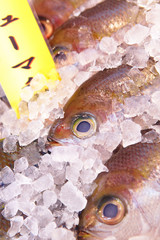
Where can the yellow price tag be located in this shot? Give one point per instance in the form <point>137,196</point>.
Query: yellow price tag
<point>24,52</point>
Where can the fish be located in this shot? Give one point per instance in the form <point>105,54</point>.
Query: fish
<point>84,31</point>
<point>96,99</point>
<point>53,13</point>
<point>126,202</point>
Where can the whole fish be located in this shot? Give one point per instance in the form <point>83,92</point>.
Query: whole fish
<point>126,202</point>
<point>95,100</point>
<point>90,26</point>
<point>52,13</point>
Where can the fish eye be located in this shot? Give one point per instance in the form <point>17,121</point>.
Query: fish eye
<point>47,26</point>
<point>84,126</point>
<point>111,211</point>
<point>59,53</point>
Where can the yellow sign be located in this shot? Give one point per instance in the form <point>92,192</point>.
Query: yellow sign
<point>23,49</point>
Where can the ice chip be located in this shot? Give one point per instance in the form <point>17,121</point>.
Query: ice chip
<point>10,144</point>
<point>11,191</point>
<point>26,207</point>
<point>153,47</point>
<point>136,34</point>
<point>31,133</point>
<point>10,209</point>
<point>135,105</point>
<point>47,232</point>
<point>43,183</point>
<point>134,58</point>
<point>16,224</point>
<point>7,175</point>
<point>87,56</point>
<point>65,153</point>
<point>21,164</point>
<point>43,216</point>
<point>131,132</point>
<point>32,224</point>
<point>26,93</point>
<point>108,45</point>
<point>153,16</point>
<point>72,198</point>
<point>49,198</point>
<point>62,233</point>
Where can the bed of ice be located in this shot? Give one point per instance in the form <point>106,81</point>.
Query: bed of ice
<point>42,200</point>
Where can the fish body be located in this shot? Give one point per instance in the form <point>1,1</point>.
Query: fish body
<point>95,100</point>
<point>53,13</point>
<point>126,202</point>
<point>90,26</point>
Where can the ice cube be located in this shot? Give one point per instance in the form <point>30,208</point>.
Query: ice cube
<point>71,72</point>
<point>16,224</point>
<point>153,47</point>
<point>31,133</point>
<point>26,207</point>
<point>136,34</point>
<point>131,132</point>
<point>47,232</point>
<point>21,179</point>
<point>153,16</point>
<point>43,216</point>
<point>11,191</point>
<point>87,56</point>
<point>108,45</point>
<point>62,233</point>
<point>72,197</point>
<point>10,209</point>
<point>43,183</point>
<point>134,56</point>
<point>88,176</point>
<point>21,164</point>
<point>155,32</point>
<point>135,105</point>
<point>26,93</point>
<point>72,173</point>
<point>32,224</point>
<point>65,153</point>
<point>49,198</point>
<point>10,144</point>
<point>7,175</point>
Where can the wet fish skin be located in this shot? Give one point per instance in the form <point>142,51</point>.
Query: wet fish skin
<point>97,97</point>
<point>133,177</point>
<point>55,12</point>
<point>90,26</point>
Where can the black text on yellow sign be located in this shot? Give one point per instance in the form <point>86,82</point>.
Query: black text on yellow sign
<point>24,52</point>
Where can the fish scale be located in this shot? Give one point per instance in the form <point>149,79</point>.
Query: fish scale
<point>133,177</point>
<point>100,96</point>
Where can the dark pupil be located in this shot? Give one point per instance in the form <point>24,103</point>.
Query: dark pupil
<point>60,56</point>
<point>83,126</point>
<point>110,210</point>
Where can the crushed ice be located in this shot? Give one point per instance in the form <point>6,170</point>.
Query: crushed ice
<point>41,199</point>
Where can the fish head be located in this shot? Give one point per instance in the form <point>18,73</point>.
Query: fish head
<point>83,114</point>
<point>120,208</point>
<point>52,14</point>
<point>72,129</point>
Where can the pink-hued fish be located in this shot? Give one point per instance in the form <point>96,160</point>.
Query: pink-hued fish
<point>126,202</point>
<point>53,13</point>
<point>95,100</point>
<point>90,26</point>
